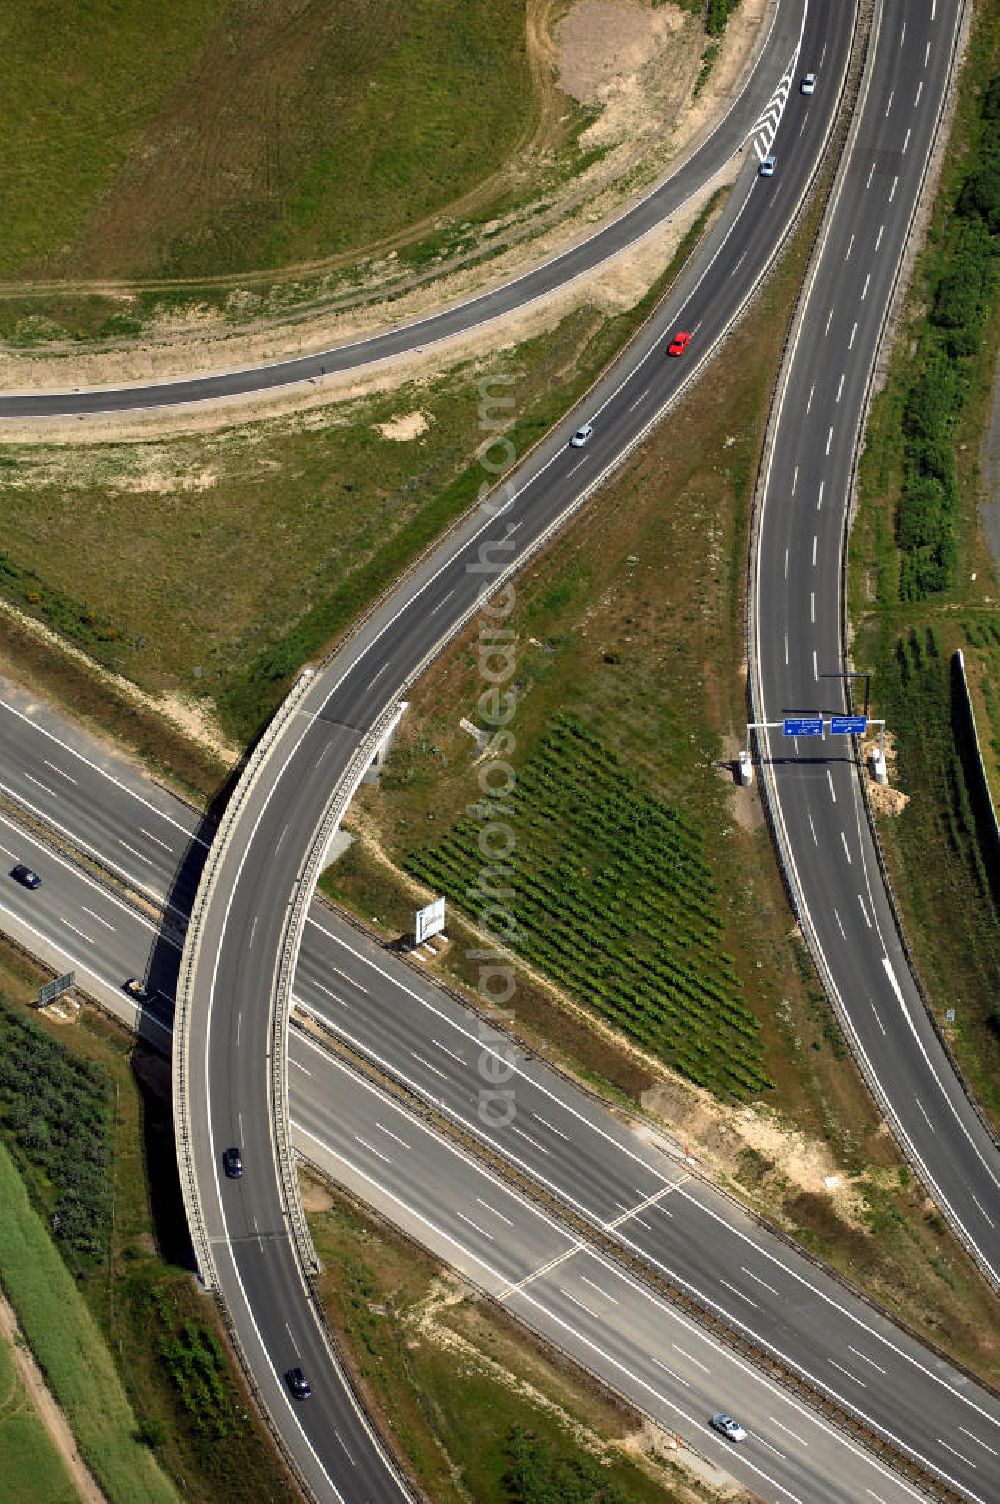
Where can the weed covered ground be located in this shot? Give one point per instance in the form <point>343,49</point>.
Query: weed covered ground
<point>219,135</point>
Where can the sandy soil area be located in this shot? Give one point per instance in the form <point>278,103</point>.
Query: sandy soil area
<point>635,64</point>
<point>49,1412</point>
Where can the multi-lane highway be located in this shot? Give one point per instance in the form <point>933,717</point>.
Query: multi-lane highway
<point>240,937</point>
<point>796,628</point>
<point>621,1182</point>
<point>751,116</point>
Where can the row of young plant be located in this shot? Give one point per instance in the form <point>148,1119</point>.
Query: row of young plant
<point>961,285</point>
<point>56,1117</point>
<point>613,899</point>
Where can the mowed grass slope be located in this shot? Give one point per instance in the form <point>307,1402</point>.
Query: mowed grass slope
<point>215,136</point>
<point>30,1467</point>
<point>71,1352</point>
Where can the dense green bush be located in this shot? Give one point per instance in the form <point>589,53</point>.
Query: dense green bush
<point>718,14</point>
<point>538,1475</point>
<point>197,1367</point>
<point>56,1115</point>
<point>961,289</point>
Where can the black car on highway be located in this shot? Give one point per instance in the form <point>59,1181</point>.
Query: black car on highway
<point>298,1383</point>
<point>232,1163</point>
<point>25,876</point>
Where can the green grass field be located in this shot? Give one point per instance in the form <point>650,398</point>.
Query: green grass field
<point>71,1352</point>
<point>212,136</point>
<point>614,900</point>
<point>30,1466</point>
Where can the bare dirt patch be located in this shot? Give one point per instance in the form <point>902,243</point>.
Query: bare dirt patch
<point>409,426</point>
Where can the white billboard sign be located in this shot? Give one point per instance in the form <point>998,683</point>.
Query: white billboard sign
<point>430,921</point>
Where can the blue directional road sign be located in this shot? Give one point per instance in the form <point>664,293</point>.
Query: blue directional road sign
<point>848,725</point>
<point>804,725</point>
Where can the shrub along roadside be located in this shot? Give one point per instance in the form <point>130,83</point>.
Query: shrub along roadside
<point>960,280</point>
<point>55,1113</point>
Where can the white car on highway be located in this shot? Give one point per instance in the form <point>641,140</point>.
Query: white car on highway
<point>581,436</point>
<point>729,1428</point>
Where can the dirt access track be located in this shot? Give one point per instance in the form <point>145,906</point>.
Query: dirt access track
<point>634,64</point>
<point>48,1411</point>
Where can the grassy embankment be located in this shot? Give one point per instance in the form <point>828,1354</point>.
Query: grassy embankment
<point>111,1281</point>
<point>71,1351</point>
<point>222,136</point>
<point>484,1412</point>
<point>249,550</point>
<point>30,1466</point>
<point>923,583</point>
<point>632,624</point>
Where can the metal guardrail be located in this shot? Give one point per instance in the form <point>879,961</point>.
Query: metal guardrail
<point>772,808</point>
<point>291,943</point>
<point>193,1208</point>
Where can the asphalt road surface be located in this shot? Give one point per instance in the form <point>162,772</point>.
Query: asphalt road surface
<point>227,1079</point>
<point>797,626</point>
<point>631,1183</point>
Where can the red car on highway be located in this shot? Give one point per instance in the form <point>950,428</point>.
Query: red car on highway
<point>679,343</point>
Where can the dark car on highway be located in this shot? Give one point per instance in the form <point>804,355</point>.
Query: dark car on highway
<point>298,1383</point>
<point>25,876</point>
<point>232,1163</point>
